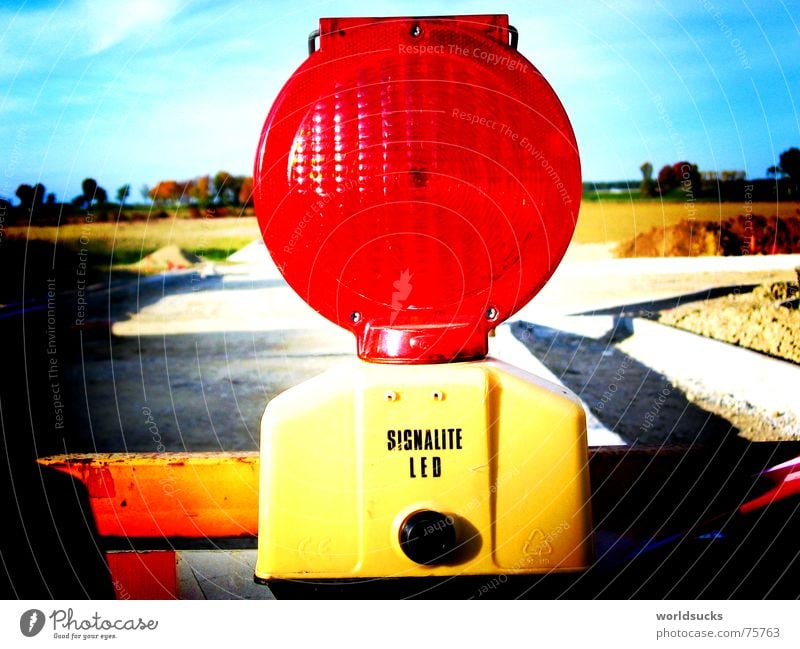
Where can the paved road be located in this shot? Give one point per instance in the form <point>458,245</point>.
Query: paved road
<point>188,361</point>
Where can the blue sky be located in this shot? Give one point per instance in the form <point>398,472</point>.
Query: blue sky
<point>136,91</point>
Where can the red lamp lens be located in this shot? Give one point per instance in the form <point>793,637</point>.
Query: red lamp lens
<point>417,182</point>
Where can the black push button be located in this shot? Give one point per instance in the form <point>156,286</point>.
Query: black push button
<point>428,537</point>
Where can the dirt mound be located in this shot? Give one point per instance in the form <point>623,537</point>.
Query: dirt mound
<point>766,320</point>
<point>167,258</point>
<point>746,234</point>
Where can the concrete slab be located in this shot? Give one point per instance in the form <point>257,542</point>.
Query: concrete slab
<point>218,574</point>
<point>720,372</point>
<point>754,391</point>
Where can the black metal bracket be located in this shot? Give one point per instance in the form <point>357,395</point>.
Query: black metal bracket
<point>312,44</point>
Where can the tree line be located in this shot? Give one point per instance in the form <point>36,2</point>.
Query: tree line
<point>36,205</point>
<point>223,189</point>
<point>229,190</point>
<point>784,183</point>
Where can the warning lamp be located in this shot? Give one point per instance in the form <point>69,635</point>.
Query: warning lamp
<point>417,183</point>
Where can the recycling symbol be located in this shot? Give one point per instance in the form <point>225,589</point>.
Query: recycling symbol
<point>537,545</point>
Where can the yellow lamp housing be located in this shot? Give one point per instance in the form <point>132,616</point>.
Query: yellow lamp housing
<point>376,470</point>
<point>417,183</point>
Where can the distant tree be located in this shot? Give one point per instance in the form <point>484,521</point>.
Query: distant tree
<point>681,174</point>
<point>667,179</point>
<point>51,199</point>
<point>646,188</point>
<point>92,193</point>
<point>144,190</point>
<point>164,192</point>
<point>730,175</point>
<point>246,192</point>
<point>790,163</point>
<point>31,199</point>
<point>222,185</point>
<point>123,193</point>
<point>25,194</point>
<point>689,177</point>
<point>235,184</point>
<point>179,192</point>
<point>199,190</point>
<point>89,186</point>
<point>39,192</point>
<point>774,171</point>
<point>228,187</point>
<point>182,191</point>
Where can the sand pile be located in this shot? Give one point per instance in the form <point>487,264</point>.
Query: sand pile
<point>165,259</point>
<point>766,320</point>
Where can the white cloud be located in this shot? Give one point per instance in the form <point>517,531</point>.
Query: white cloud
<point>112,22</point>
<point>37,39</point>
